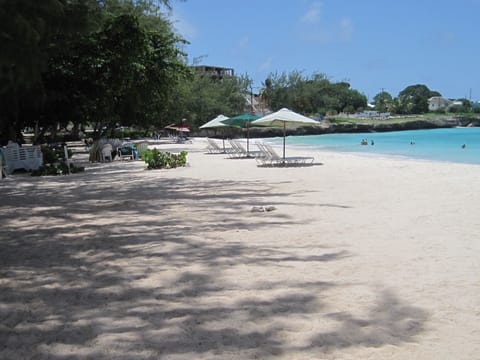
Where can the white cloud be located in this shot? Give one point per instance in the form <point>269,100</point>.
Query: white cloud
<point>266,65</point>
<point>346,29</point>
<point>316,26</point>
<point>313,14</point>
<point>244,43</point>
<point>241,47</point>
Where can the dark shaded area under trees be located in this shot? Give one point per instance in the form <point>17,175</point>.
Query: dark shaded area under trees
<point>103,63</point>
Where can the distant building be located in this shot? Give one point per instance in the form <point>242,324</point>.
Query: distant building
<point>439,103</point>
<point>372,114</point>
<point>253,102</point>
<point>216,72</point>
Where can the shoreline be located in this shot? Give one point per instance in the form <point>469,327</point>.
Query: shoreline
<point>435,146</point>
<point>361,258</point>
<point>375,125</point>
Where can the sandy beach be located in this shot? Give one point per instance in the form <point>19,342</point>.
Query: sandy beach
<point>361,258</point>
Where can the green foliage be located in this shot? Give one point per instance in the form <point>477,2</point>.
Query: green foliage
<point>108,63</point>
<point>202,98</point>
<point>164,160</point>
<point>442,111</point>
<point>383,101</point>
<point>55,162</point>
<point>414,99</point>
<point>54,154</point>
<point>131,133</point>
<point>311,95</point>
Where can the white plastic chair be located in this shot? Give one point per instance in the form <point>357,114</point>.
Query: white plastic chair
<point>106,152</point>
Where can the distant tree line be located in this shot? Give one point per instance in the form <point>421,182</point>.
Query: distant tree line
<point>411,100</point>
<point>312,95</point>
<point>414,100</point>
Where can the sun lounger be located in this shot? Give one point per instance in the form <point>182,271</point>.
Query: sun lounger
<point>127,151</point>
<point>271,158</point>
<point>141,148</point>
<point>214,148</point>
<point>241,152</point>
<point>21,157</point>
<point>266,158</point>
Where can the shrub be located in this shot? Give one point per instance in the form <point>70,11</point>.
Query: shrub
<point>55,162</point>
<point>164,160</point>
<point>54,153</point>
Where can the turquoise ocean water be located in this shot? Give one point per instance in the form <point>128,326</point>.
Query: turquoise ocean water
<point>436,144</point>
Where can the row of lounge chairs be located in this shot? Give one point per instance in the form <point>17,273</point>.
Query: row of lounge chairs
<point>271,158</point>
<point>239,150</point>
<point>265,155</point>
<point>214,148</point>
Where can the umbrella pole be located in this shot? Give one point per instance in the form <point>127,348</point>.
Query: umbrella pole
<point>284,134</point>
<point>248,136</point>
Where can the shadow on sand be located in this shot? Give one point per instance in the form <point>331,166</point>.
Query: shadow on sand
<point>99,267</point>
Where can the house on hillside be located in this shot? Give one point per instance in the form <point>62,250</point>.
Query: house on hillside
<point>254,103</point>
<point>439,103</point>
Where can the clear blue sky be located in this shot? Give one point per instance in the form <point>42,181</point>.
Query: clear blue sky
<point>374,44</point>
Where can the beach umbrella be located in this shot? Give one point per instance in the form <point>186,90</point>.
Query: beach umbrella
<point>217,123</point>
<point>243,121</point>
<point>285,118</point>
<point>178,127</point>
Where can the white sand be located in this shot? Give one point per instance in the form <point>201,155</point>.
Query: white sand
<point>363,258</point>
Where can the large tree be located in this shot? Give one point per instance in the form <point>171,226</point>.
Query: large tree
<point>414,99</point>
<point>203,97</point>
<point>314,94</point>
<point>63,61</point>
<point>25,28</point>
<point>383,101</point>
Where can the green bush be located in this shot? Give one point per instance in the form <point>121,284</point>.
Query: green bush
<point>54,153</point>
<point>164,160</point>
<point>55,162</point>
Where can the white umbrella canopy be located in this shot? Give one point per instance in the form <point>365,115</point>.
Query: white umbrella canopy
<point>215,123</point>
<point>283,118</point>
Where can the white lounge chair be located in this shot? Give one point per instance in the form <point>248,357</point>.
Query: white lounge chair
<point>28,157</point>
<point>141,148</point>
<point>241,152</point>
<point>127,151</point>
<point>266,158</point>
<point>272,158</point>
<point>214,148</point>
